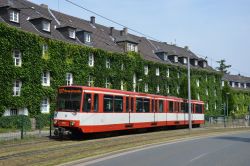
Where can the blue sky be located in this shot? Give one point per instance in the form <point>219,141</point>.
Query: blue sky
<point>218,29</point>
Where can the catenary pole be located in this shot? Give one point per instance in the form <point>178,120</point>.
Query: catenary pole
<point>189,98</point>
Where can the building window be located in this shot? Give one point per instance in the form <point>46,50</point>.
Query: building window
<point>45,49</point>
<point>158,88</point>
<point>238,84</point>
<point>195,63</point>
<point>198,96</point>
<point>157,71</point>
<point>214,80</point>
<point>45,106</point>
<point>165,57</point>
<point>90,81</point>
<point>178,89</point>
<point>17,56</point>
<point>72,33</point>
<point>132,47</point>
<point>14,16</point>
<point>232,84</point>
<point>17,88</point>
<point>87,37</point>
<point>146,70</point>
<point>69,79</point>
<point>13,112</point>
<point>46,78</point>
<point>108,63</point>
<point>167,88</point>
<point>175,59</point>
<point>91,60</point>
<point>245,85</point>
<point>215,92</point>
<point>134,82</point>
<point>46,26</point>
<point>167,73</point>
<point>185,60</point>
<point>207,92</point>
<point>122,66</point>
<point>215,105</point>
<point>198,83</point>
<point>107,83</point>
<point>122,85</point>
<point>178,75</point>
<point>206,106</point>
<point>204,64</point>
<point>222,83</point>
<point>146,87</point>
<point>206,78</point>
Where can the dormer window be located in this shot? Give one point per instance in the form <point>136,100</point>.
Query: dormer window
<point>204,64</point>
<point>46,26</point>
<point>14,16</point>
<point>165,57</point>
<point>245,85</point>
<point>195,63</point>
<point>17,58</point>
<point>232,84</point>
<point>72,33</point>
<point>184,60</point>
<point>87,37</point>
<point>132,47</point>
<point>238,84</point>
<point>175,59</point>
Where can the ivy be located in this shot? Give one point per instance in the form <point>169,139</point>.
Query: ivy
<point>62,58</point>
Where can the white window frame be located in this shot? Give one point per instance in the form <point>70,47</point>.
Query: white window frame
<point>178,89</point>
<point>198,96</point>
<point>215,92</point>
<point>207,92</point>
<point>134,82</point>
<point>165,57</point>
<point>87,37</point>
<point>45,105</point>
<point>122,66</point>
<point>204,64</point>
<point>14,16</point>
<point>146,87</point>
<point>146,69</point>
<point>72,33</point>
<point>178,75</point>
<point>167,73</point>
<point>157,71</point>
<point>17,85</point>
<point>107,83</point>
<point>239,85</point>
<point>233,84</point>
<point>108,63</point>
<point>206,106</point>
<point>90,81</point>
<point>45,49</point>
<point>17,56</point>
<point>122,85</point>
<point>245,85</point>
<point>195,62</point>
<point>184,60</point>
<point>167,86</point>
<point>175,59</point>
<point>222,83</point>
<point>91,60</point>
<point>46,25</point>
<point>69,79</point>
<point>46,78</point>
<point>158,88</point>
<point>198,83</point>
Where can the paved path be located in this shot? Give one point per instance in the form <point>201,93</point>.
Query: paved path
<point>229,150</point>
<point>17,135</point>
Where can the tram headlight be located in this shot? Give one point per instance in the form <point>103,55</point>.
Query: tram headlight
<point>72,123</point>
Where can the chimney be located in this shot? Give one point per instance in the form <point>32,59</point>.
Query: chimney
<point>111,31</point>
<point>125,30</point>
<point>92,20</point>
<point>186,48</point>
<point>44,5</point>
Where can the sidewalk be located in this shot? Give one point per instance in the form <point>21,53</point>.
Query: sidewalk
<point>17,135</point>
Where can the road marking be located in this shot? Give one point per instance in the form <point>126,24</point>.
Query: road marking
<point>196,158</point>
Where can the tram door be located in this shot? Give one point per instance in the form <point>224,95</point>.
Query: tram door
<point>154,103</point>
<point>129,107</point>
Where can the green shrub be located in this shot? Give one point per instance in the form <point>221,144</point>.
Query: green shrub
<point>42,120</point>
<point>15,122</point>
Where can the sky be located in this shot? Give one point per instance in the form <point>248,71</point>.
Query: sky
<point>216,29</point>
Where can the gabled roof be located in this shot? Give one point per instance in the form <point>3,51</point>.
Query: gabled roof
<point>100,34</point>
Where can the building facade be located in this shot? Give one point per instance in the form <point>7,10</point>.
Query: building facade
<point>43,49</point>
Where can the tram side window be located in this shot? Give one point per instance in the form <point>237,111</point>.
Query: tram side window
<point>87,102</point>
<point>183,105</point>
<point>108,103</point>
<point>171,105</point>
<point>132,104</point>
<point>118,103</point>
<point>186,107</point>
<point>198,108</point>
<point>146,105</point>
<point>139,105</point>
<point>127,104</point>
<point>96,103</point>
<point>160,105</point>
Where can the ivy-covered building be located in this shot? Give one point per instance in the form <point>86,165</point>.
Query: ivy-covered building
<point>42,49</point>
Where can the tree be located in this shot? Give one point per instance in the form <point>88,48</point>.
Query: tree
<point>223,67</point>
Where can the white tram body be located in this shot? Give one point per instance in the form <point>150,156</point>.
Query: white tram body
<point>90,110</point>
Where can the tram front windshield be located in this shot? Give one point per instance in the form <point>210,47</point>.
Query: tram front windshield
<point>69,99</point>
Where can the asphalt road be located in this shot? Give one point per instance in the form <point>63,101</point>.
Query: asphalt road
<point>227,150</point>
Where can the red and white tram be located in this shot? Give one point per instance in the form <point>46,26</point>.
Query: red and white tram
<point>89,110</point>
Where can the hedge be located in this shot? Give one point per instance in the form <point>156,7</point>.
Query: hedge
<point>15,122</point>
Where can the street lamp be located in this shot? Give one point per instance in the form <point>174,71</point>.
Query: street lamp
<point>227,101</point>
<point>140,80</point>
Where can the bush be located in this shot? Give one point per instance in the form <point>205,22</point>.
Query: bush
<point>42,120</point>
<point>15,122</point>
